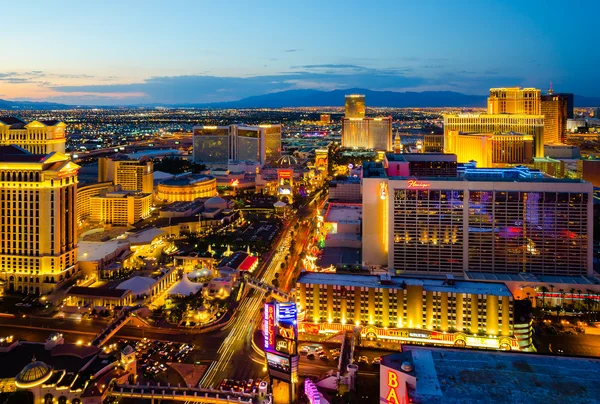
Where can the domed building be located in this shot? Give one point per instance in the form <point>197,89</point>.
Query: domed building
<point>56,372</point>
<point>186,188</point>
<point>34,374</point>
<point>287,160</point>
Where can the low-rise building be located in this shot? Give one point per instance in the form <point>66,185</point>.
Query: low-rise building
<point>442,375</point>
<point>120,208</point>
<point>422,310</point>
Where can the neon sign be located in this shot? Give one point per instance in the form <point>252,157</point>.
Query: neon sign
<point>269,326</point>
<point>383,190</point>
<point>285,173</point>
<point>311,392</point>
<point>417,184</point>
<point>392,383</point>
<point>235,182</point>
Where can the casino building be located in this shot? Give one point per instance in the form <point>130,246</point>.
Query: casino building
<point>408,309</point>
<point>38,137</point>
<point>187,187</point>
<point>38,248</point>
<point>484,220</point>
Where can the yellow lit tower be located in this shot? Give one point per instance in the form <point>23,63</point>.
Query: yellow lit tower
<point>40,137</point>
<point>38,248</point>
<point>514,100</point>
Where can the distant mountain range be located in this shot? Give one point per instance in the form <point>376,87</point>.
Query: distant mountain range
<point>16,105</point>
<point>317,98</point>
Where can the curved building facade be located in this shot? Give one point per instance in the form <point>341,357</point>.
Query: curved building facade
<point>187,188</point>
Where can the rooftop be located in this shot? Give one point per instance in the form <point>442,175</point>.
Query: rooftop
<point>339,256</point>
<point>397,282</point>
<point>189,179</point>
<point>343,213</point>
<point>17,154</point>
<point>97,292</point>
<point>476,376</point>
<point>528,277</point>
<point>59,358</point>
<point>408,157</point>
<point>97,250</point>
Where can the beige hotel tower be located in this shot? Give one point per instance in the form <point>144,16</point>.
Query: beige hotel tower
<point>38,247</point>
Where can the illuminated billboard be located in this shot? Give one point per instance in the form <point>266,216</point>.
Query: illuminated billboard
<point>269,326</point>
<point>285,173</point>
<point>281,328</point>
<point>282,367</point>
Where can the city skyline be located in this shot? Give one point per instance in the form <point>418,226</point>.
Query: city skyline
<point>206,53</point>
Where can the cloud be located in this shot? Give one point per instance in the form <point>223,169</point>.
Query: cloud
<point>292,50</point>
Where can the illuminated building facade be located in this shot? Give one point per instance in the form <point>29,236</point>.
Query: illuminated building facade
<point>367,133</point>
<point>491,149</point>
<point>186,188</point>
<point>120,207</point>
<point>554,108</point>
<point>420,164</point>
<point>38,249</point>
<point>514,100</point>
<point>211,144</point>
<point>355,106</point>
<point>38,137</point>
<point>322,159</point>
<point>436,311</point>
<point>221,144</point>
<point>433,143</point>
<point>487,220</point>
<point>84,195</point>
<point>285,187</point>
<point>532,125</point>
<point>130,174</point>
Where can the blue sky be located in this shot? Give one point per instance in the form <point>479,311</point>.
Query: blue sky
<point>129,51</point>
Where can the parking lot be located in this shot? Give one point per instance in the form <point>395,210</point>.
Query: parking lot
<point>153,356</point>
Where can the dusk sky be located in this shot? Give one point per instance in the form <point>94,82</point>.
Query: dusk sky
<point>126,52</point>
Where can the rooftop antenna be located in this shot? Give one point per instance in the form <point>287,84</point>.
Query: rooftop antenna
<point>550,90</point>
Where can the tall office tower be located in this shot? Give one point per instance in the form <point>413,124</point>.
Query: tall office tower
<point>211,144</point>
<point>130,174</point>
<point>554,109</point>
<point>38,247</point>
<point>514,100</point>
<point>532,125</point>
<point>39,137</point>
<point>220,144</point>
<point>596,112</point>
<point>486,220</point>
<point>355,106</point>
<point>491,149</point>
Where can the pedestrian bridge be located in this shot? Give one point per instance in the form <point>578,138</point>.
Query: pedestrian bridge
<point>186,394</point>
<point>126,316</point>
<point>277,294</point>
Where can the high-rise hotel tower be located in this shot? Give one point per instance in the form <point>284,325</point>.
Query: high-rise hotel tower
<point>38,248</point>
<point>40,137</point>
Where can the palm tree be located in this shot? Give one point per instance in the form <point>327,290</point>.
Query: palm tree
<point>572,291</point>
<point>562,297</point>
<point>579,296</point>
<point>552,291</point>
<point>544,290</point>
